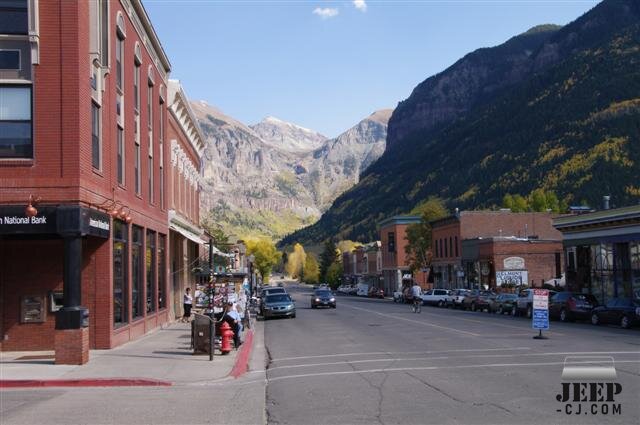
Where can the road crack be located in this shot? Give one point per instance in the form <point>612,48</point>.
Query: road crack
<point>433,387</point>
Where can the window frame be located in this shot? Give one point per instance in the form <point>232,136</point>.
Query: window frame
<point>151,274</point>
<point>96,150</point>
<point>125,273</point>
<point>120,156</point>
<point>19,68</point>
<point>18,10</point>
<point>137,287</point>
<point>30,121</point>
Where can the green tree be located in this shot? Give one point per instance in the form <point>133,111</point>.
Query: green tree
<point>418,235</point>
<point>347,246</point>
<point>334,273</point>
<point>538,200</point>
<point>328,257</point>
<point>296,261</point>
<point>218,235</point>
<point>266,256</point>
<point>311,271</point>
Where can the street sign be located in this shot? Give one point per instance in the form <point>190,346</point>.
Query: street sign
<point>540,316</point>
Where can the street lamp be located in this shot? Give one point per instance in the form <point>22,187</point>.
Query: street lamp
<point>251,258</point>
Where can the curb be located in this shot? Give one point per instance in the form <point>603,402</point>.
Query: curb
<point>240,367</point>
<point>92,382</point>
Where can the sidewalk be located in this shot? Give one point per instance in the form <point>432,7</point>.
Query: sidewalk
<point>160,358</point>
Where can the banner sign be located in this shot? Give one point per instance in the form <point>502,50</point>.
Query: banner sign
<point>511,277</point>
<point>540,317</point>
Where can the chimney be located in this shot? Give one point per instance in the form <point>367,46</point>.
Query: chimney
<point>605,202</point>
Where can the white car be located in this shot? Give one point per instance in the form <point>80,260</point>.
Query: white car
<point>439,297</point>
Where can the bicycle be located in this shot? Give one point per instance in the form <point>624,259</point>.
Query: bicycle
<point>416,305</point>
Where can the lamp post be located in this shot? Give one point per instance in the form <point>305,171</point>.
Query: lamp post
<point>251,259</point>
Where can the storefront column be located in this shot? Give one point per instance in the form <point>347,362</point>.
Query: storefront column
<point>72,321</point>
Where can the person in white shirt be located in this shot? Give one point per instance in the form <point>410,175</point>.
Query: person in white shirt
<point>416,293</point>
<point>187,303</point>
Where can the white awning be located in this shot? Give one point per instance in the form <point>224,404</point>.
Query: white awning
<point>189,235</point>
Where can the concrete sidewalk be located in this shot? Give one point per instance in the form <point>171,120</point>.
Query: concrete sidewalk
<point>162,357</point>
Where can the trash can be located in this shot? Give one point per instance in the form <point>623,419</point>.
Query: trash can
<point>201,329</point>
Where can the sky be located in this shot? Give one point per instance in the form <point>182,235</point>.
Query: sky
<point>326,65</point>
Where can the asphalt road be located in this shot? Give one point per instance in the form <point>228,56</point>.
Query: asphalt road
<point>373,361</point>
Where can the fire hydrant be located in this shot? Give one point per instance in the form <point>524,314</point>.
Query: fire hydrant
<point>227,337</point>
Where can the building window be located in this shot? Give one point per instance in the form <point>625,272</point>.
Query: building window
<point>137,306</point>
<point>136,88</point>
<point>450,246</point>
<point>120,158</point>
<point>14,17</point>
<point>96,148</point>
<point>10,60</point>
<point>120,36</point>
<point>151,275</point>
<point>441,250</point>
<point>104,33</point>
<point>162,272</point>
<point>16,139</point>
<point>120,290</point>
<point>456,245</point>
<point>136,167</point>
<point>437,250</point>
<point>161,151</point>
<point>150,178</point>
<point>391,244</point>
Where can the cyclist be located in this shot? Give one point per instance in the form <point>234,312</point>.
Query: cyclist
<point>416,292</point>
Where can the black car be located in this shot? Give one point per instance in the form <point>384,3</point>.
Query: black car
<point>503,303</point>
<point>323,297</point>
<point>622,311</point>
<point>568,306</point>
<point>478,300</point>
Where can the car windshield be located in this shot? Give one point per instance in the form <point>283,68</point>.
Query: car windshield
<point>271,291</point>
<point>278,298</point>
<point>323,294</point>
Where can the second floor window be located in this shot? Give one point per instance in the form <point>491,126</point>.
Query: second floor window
<point>120,158</point>
<point>96,148</point>
<point>15,122</point>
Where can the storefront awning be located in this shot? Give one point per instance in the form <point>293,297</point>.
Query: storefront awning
<point>189,235</point>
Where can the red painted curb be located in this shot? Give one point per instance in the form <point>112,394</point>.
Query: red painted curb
<point>93,382</point>
<point>243,356</point>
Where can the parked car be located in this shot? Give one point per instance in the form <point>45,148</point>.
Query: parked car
<point>622,311</point>
<point>524,304</point>
<point>503,303</point>
<point>568,306</point>
<point>278,305</point>
<point>437,297</point>
<point>457,296</point>
<point>478,300</point>
<point>362,290</point>
<point>323,297</point>
<point>375,292</point>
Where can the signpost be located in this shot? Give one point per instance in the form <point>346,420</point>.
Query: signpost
<point>540,317</point>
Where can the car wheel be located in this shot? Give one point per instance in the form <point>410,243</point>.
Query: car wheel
<point>440,303</point>
<point>293,316</point>
<point>625,323</point>
<point>563,315</point>
<point>595,320</point>
<point>529,312</point>
<point>500,311</point>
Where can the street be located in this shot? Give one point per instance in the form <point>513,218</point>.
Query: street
<point>374,361</point>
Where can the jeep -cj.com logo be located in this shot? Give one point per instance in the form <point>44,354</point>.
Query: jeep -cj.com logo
<point>589,387</point>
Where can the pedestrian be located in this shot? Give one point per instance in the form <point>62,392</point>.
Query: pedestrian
<point>187,303</point>
<point>232,318</point>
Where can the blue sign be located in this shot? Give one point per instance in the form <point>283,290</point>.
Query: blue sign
<point>540,319</point>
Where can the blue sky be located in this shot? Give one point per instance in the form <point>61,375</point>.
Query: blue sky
<point>323,64</point>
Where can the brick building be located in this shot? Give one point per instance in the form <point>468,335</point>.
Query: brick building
<point>395,265</point>
<point>509,262</point>
<point>185,234</point>
<point>83,201</point>
<point>448,234</point>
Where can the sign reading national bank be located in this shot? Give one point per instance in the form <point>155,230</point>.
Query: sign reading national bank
<point>54,221</point>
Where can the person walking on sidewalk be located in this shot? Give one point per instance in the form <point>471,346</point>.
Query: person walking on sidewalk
<point>187,303</point>
<point>232,317</point>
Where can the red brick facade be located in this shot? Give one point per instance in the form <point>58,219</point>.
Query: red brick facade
<point>67,79</point>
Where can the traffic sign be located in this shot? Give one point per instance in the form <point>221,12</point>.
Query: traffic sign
<point>540,316</point>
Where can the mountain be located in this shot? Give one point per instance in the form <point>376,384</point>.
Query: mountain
<point>556,109</point>
<point>275,177</point>
<point>289,137</point>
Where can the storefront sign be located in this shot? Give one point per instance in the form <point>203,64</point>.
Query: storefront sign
<point>514,263</point>
<point>540,317</point>
<point>511,277</point>
<point>14,221</point>
<point>95,223</point>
